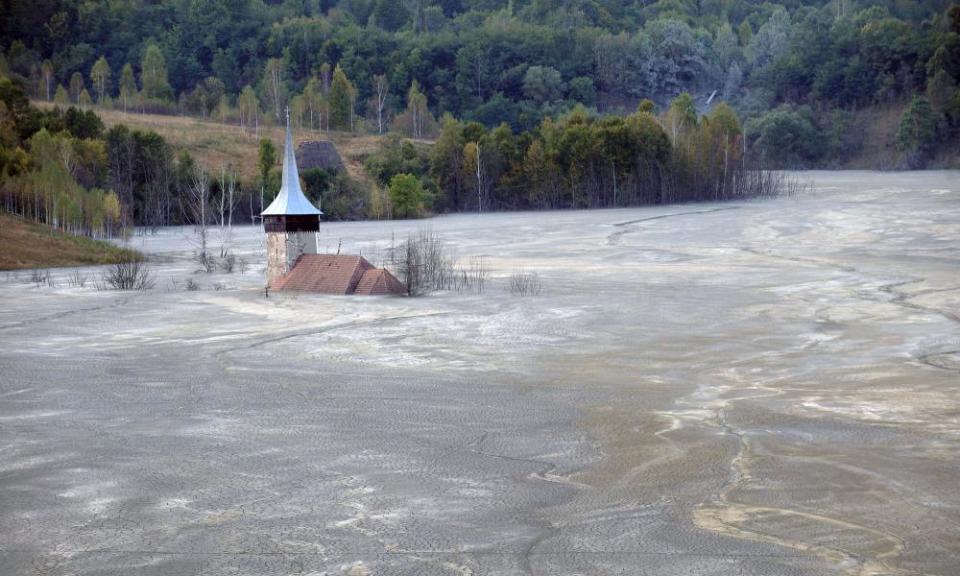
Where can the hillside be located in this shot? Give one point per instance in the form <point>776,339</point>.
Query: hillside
<point>214,144</point>
<point>799,70</point>
<point>29,245</point>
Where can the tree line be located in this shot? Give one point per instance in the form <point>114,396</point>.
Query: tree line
<point>377,65</point>
<point>66,170</point>
<point>580,160</point>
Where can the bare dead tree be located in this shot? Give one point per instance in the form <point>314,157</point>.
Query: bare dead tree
<point>480,175</point>
<point>198,200</point>
<point>226,202</point>
<point>423,262</point>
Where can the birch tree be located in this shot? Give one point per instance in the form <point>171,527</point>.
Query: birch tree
<point>417,109</point>
<point>128,86</point>
<point>248,106</point>
<point>341,99</point>
<point>100,77</point>
<point>153,74</point>
<point>76,87</point>
<point>274,86</point>
<point>46,75</point>
<point>380,82</point>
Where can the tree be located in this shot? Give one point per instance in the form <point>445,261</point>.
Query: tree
<point>416,109</point>
<point>917,133</point>
<point>223,108</point>
<point>785,138</point>
<point>771,40</point>
<point>475,163</point>
<point>726,46</point>
<point>128,86</point>
<point>100,77</point>
<point>406,196</point>
<point>153,74</point>
<point>341,98</point>
<point>266,160</point>
<point>582,90</point>
<point>49,82</point>
<point>76,87</point>
<point>446,162</point>
<point>274,86</point>
<point>391,15</point>
<point>226,202</point>
<point>248,107</point>
<point>205,97</point>
<point>681,116</point>
<point>744,33</point>
<point>542,84</point>
<point>198,206</point>
<point>383,89</point>
<point>313,100</point>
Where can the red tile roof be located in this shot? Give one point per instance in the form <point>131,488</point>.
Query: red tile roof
<point>337,274</point>
<point>377,282</point>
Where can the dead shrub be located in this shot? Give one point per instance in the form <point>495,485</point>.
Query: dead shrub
<point>77,280</point>
<point>228,263</point>
<point>472,278</point>
<point>208,263</point>
<point>128,273</point>
<point>524,283</point>
<point>40,277</point>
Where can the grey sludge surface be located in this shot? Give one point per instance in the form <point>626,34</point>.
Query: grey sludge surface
<point>741,389</point>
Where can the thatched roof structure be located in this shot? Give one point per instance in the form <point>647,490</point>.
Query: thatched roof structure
<point>318,154</point>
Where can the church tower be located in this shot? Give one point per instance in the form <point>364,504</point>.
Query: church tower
<point>291,221</point>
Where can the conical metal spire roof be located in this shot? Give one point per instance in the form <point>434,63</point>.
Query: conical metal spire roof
<point>290,201</point>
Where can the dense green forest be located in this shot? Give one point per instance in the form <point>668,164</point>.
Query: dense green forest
<point>799,68</point>
<point>531,104</point>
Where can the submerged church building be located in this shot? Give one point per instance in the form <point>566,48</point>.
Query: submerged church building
<point>291,223</point>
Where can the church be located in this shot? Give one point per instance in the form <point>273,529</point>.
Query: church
<point>291,223</point>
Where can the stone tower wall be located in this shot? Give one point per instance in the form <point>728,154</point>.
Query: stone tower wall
<point>283,249</point>
<point>276,255</point>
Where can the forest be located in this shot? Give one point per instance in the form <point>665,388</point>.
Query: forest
<point>531,104</point>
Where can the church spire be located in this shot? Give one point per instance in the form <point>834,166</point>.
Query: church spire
<point>290,200</point>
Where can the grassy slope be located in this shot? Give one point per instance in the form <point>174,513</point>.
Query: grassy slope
<point>29,245</point>
<point>214,144</point>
